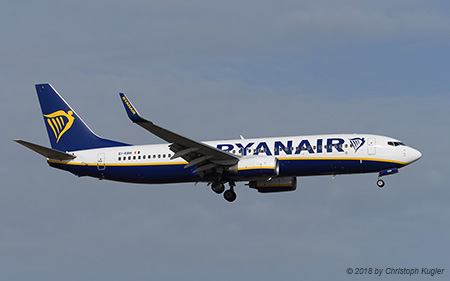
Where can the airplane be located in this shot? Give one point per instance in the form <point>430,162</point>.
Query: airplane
<point>268,164</point>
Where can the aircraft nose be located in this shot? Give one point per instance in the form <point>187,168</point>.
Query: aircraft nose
<point>413,155</point>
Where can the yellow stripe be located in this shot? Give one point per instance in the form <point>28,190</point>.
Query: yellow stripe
<point>117,164</point>
<point>343,158</point>
<point>240,169</point>
<point>255,168</point>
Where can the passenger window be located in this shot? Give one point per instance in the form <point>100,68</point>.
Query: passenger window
<point>134,157</point>
<point>164,156</point>
<point>159,155</point>
<point>120,158</point>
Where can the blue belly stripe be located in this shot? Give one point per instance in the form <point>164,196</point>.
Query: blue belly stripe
<point>174,173</point>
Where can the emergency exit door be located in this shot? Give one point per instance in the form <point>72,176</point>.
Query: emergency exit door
<point>371,148</point>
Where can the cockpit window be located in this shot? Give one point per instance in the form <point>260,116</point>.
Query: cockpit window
<point>395,143</point>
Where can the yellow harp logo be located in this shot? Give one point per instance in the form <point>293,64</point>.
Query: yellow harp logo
<point>60,122</point>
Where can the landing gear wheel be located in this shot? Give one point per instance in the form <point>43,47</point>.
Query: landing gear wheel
<point>380,183</point>
<point>230,195</point>
<point>218,187</point>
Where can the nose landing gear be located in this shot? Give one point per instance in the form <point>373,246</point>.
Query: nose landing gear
<point>380,183</point>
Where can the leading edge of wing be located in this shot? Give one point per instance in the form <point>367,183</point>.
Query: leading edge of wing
<point>171,137</point>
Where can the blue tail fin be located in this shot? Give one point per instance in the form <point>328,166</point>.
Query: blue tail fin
<point>66,130</point>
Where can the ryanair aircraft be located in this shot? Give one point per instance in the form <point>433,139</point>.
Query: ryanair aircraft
<point>267,164</point>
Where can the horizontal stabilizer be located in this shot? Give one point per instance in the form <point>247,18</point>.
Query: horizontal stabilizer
<point>47,152</point>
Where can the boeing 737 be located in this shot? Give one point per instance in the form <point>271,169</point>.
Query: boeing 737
<point>267,164</point>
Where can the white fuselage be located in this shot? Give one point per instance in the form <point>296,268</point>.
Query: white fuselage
<point>298,156</point>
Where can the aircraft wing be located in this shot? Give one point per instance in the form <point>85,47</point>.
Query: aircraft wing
<point>207,158</point>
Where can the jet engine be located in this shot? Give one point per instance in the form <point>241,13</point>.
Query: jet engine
<point>256,167</point>
<point>274,185</point>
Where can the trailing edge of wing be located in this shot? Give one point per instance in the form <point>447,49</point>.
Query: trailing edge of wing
<point>47,152</point>
<point>182,143</point>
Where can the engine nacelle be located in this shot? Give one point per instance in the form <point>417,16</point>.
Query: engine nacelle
<point>255,167</point>
<point>275,185</point>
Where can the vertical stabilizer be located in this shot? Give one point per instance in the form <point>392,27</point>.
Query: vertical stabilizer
<point>66,130</point>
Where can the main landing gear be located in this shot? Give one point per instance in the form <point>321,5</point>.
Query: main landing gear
<point>380,183</point>
<point>219,188</point>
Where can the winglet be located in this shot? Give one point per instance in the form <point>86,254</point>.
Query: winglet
<point>133,114</point>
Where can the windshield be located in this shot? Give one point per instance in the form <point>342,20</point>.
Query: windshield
<point>395,143</point>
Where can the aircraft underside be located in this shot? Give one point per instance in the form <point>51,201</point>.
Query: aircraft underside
<point>162,174</point>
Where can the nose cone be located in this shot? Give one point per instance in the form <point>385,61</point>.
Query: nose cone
<point>413,155</point>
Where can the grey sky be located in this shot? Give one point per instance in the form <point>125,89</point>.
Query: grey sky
<point>215,70</point>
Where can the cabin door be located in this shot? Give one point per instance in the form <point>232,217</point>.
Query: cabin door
<point>101,161</point>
